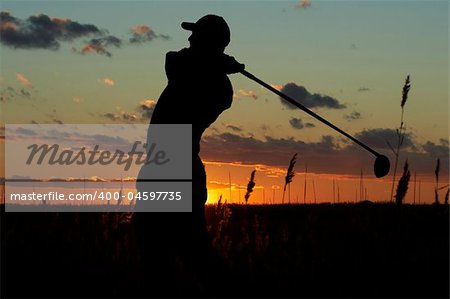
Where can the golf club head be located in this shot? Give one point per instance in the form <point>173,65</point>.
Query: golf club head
<point>381,166</point>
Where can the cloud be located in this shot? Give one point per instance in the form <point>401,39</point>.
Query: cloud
<point>277,86</point>
<point>146,108</point>
<point>248,94</point>
<point>379,137</point>
<point>111,116</point>
<point>9,93</point>
<point>142,113</point>
<point>41,31</point>
<point>142,33</point>
<point>129,117</point>
<point>24,131</point>
<point>93,48</point>
<point>72,136</point>
<point>233,127</point>
<point>23,80</point>
<point>437,150</point>
<point>44,32</point>
<point>297,123</point>
<point>121,116</point>
<point>304,97</point>
<point>362,89</point>
<point>229,147</point>
<point>108,81</point>
<point>99,45</point>
<point>353,116</point>
<point>323,156</point>
<point>25,93</point>
<point>303,4</point>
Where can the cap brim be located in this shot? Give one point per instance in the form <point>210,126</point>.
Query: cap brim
<point>188,26</point>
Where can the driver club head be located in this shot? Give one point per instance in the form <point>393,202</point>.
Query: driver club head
<point>381,166</point>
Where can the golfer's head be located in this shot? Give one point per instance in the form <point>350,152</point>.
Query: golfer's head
<point>210,33</point>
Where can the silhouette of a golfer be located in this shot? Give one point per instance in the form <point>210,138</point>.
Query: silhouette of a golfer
<point>198,91</point>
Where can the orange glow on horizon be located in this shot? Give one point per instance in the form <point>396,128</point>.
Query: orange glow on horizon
<point>319,187</point>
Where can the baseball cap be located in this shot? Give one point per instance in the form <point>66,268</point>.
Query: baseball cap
<point>211,27</point>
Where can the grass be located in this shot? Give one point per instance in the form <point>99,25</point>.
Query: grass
<point>323,250</point>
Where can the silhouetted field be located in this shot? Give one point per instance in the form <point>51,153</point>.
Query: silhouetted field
<point>366,250</point>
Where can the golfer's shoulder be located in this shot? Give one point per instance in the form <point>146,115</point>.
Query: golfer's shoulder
<point>176,55</point>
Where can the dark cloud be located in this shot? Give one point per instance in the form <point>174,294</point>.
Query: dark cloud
<point>44,32</point>
<point>10,93</point>
<point>24,131</point>
<point>304,97</point>
<point>78,139</point>
<point>352,116</point>
<point>112,140</point>
<point>41,31</point>
<point>100,45</point>
<point>142,33</point>
<point>123,116</point>
<point>142,113</point>
<point>146,108</point>
<point>297,123</point>
<point>233,127</point>
<point>129,117</point>
<point>379,137</point>
<point>362,89</point>
<point>25,93</point>
<point>111,116</point>
<point>107,41</point>
<point>437,150</point>
<point>323,156</point>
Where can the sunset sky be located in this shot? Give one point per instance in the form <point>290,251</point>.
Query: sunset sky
<point>352,57</point>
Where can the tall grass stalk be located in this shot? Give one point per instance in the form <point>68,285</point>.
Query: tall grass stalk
<point>338,193</point>
<point>314,190</point>
<point>402,187</point>
<point>229,184</point>
<point>437,188</point>
<point>436,173</point>
<point>251,184</point>
<point>334,192</point>
<point>361,186</point>
<point>400,132</point>
<point>289,175</point>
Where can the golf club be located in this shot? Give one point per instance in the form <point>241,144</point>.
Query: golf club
<point>382,164</point>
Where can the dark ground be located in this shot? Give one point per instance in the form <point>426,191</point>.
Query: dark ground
<point>347,250</point>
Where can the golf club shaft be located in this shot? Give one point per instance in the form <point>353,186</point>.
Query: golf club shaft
<point>300,106</point>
